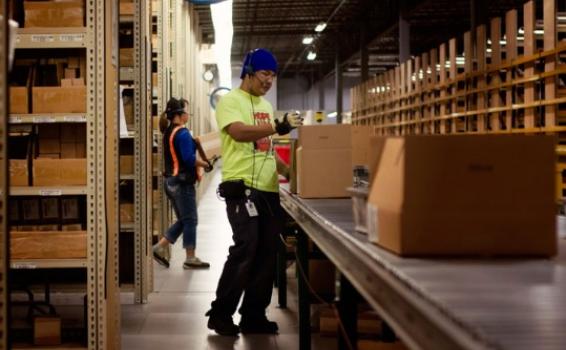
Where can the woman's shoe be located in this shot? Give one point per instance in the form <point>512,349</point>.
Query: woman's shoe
<point>195,263</point>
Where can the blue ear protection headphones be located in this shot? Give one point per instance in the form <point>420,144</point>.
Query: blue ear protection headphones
<point>248,64</point>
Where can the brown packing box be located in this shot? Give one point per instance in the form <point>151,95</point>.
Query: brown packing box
<point>57,99</point>
<point>71,132</point>
<point>49,131</point>
<point>323,173</point>
<point>154,79</point>
<point>66,82</point>
<point>45,228</point>
<point>78,82</point>
<point>30,209</point>
<point>49,208</point>
<point>325,136</point>
<point>49,146</point>
<point>366,344</point>
<point>73,62</point>
<point>127,57</point>
<point>47,330</point>
<point>59,172</point>
<point>126,8</point>
<point>46,14</point>
<point>69,150</point>
<point>155,120</point>
<point>155,161</point>
<point>19,101</point>
<point>126,165</point>
<point>361,150</point>
<point>465,195</point>
<point>80,148</point>
<point>19,172</point>
<point>376,144</point>
<point>126,213</point>
<point>70,73</point>
<point>70,208</point>
<point>48,245</point>
<point>322,276</point>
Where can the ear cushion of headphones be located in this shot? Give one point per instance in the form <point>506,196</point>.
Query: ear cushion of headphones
<point>248,66</point>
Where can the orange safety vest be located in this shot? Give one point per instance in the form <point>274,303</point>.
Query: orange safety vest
<point>174,157</point>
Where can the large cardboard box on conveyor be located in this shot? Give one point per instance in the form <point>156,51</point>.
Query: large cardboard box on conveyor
<point>465,196</point>
<point>48,14</point>
<point>324,159</point>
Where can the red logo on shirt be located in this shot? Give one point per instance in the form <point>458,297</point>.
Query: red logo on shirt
<point>263,144</point>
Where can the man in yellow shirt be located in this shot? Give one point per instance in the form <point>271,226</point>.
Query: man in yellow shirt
<point>251,191</point>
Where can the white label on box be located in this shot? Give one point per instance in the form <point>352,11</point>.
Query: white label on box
<point>23,266</point>
<point>44,120</point>
<point>42,38</point>
<point>51,193</point>
<point>372,212</point>
<point>71,37</point>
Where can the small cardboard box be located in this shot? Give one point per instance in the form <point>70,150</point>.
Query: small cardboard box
<point>323,173</point>
<point>71,227</point>
<point>126,8</point>
<point>126,164</point>
<point>465,196</point>
<point>30,209</point>
<point>59,172</point>
<point>19,172</point>
<point>68,150</point>
<point>50,208</point>
<point>49,146</point>
<point>126,212</point>
<point>66,82</point>
<point>49,131</point>
<point>127,57</point>
<point>48,14</point>
<point>19,101</point>
<point>70,209</point>
<point>57,99</point>
<point>47,330</point>
<point>48,245</point>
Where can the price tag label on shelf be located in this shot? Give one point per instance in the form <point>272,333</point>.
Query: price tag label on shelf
<point>74,118</point>
<point>50,192</point>
<point>23,266</point>
<point>18,39</point>
<point>71,38</point>
<point>42,119</point>
<point>42,38</point>
<point>16,120</point>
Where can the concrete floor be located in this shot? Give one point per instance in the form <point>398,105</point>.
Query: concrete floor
<point>174,316</point>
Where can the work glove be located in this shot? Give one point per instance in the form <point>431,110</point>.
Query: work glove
<point>290,121</point>
<point>209,167</point>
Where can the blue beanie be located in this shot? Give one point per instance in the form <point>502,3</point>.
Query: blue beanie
<point>258,59</point>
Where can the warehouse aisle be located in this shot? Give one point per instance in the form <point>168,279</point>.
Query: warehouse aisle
<point>174,317</point>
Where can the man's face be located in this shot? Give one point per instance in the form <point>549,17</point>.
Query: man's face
<point>261,82</point>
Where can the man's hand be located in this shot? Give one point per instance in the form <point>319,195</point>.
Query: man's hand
<point>208,168</point>
<point>290,121</point>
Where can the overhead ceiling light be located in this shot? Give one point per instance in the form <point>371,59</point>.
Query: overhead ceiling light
<point>320,27</point>
<point>307,40</point>
<point>311,56</point>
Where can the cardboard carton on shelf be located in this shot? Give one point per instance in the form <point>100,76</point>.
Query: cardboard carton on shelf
<point>126,57</point>
<point>465,196</point>
<point>47,330</point>
<point>47,228</point>
<point>58,99</point>
<point>52,14</point>
<point>126,213</point>
<point>71,227</point>
<point>30,209</point>
<point>70,208</point>
<point>19,172</point>
<point>126,164</point>
<point>20,84</point>
<point>59,172</point>
<point>48,245</point>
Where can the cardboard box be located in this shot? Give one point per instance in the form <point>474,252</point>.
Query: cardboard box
<point>48,245</point>
<point>71,227</point>
<point>70,209</point>
<point>66,82</point>
<point>323,173</point>
<point>126,8</point>
<point>59,172</point>
<point>322,276</point>
<point>126,165</point>
<point>19,172</point>
<point>126,213</point>
<point>27,228</point>
<point>57,99</point>
<point>69,133</point>
<point>154,79</point>
<point>68,150</point>
<point>48,14</point>
<point>49,146</point>
<point>50,208</point>
<point>47,330</point>
<point>47,228</point>
<point>78,82</point>
<point>80,148</point>
<point>127,57</point>
<point>70,73</point>
<point>366,344</point>
<point>19,101</point>
<point>49,131</point>
<point>13,210</point>
<point>376,144</point>
<point>317,137</point>
<point>361,148</point>
<point>30,209</point>
<point>73,62</point>
<point>465,196</point>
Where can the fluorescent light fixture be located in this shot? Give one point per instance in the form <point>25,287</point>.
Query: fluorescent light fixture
<point>503,42</point>
<point>561,18</point>
<point>311,56</point>
<point>332,115</point>
<point>488,50</point>
<point>307,40</point>
<point>320,27</point>
<point>521,30</point>
<point>539,31</point>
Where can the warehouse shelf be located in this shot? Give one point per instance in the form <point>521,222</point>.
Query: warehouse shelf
<point>4,287</point>
<point>127,177</point>
<point>51,38</point>
<point>22,264</point>
<point>48,118</point>
<point>48,190</point>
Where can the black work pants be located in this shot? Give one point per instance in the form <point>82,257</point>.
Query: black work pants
<point>250,266</point>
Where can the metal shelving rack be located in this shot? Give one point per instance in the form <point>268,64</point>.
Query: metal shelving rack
<point>3,177</point>
<point>96,38</point>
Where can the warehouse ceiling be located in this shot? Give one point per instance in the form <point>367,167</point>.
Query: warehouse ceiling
<point>280,26</point>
